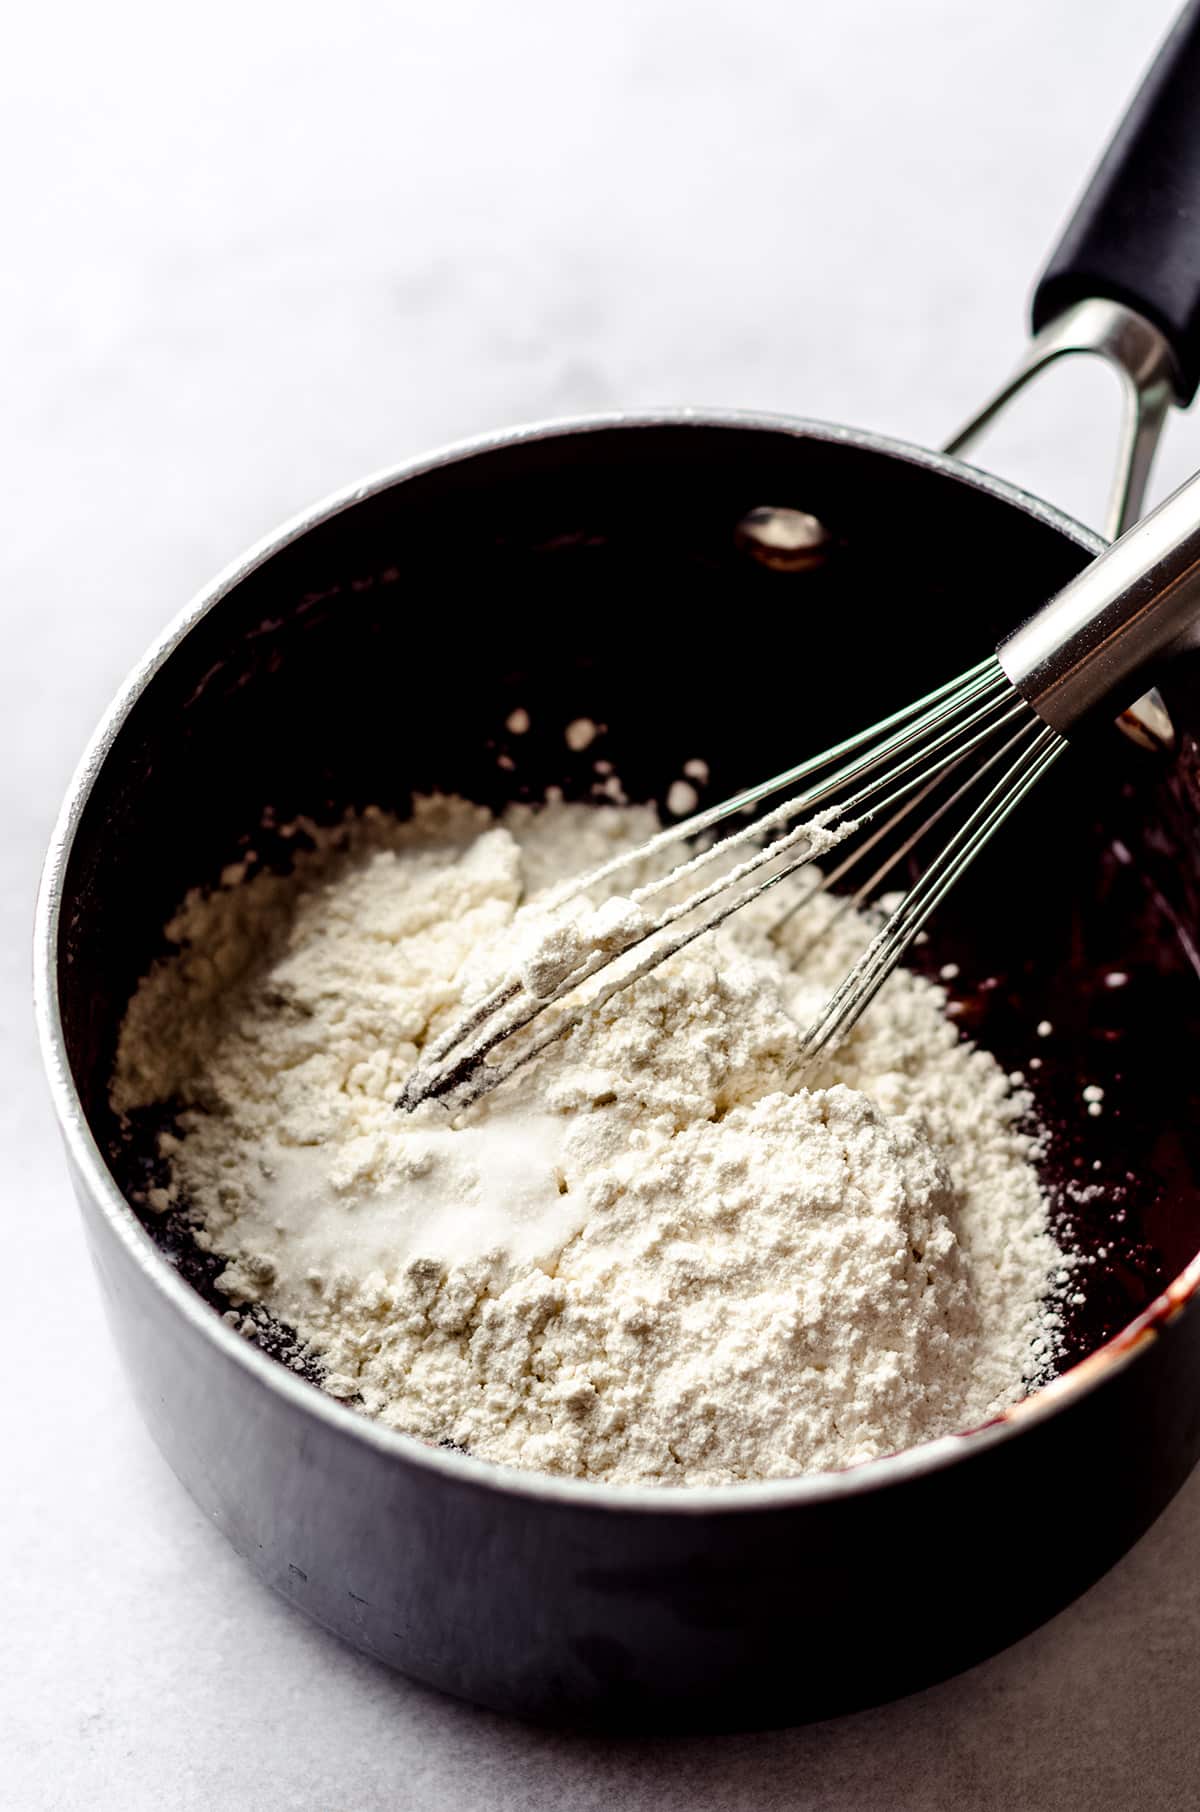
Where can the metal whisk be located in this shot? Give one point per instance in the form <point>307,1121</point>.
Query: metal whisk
<point>960,758</point>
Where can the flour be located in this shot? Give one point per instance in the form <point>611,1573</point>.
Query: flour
<point>552,948</point>
<point>643,1259</point>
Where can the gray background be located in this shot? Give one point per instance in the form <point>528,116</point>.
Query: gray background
<point>253,251</point>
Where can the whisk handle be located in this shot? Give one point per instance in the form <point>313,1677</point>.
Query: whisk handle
<point>1093,647</point>
<point>1135,235</point>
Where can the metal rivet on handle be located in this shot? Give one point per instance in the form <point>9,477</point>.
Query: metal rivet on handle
<point>788,541</point>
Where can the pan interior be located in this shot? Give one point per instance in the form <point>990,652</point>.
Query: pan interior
<point>601,575</point>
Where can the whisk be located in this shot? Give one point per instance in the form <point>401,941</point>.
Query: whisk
<point>959,759</point>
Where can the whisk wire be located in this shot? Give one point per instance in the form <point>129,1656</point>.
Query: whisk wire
<point>980,687</point>
<point>1034,748</point>
<point>879,778</point>
<point>986,676</point>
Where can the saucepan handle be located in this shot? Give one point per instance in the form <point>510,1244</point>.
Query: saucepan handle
<point>1123,285</point>
<point>1124,282</point>
<point>1135,236</point>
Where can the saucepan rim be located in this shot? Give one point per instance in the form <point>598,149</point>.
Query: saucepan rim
<point>452,1466</point>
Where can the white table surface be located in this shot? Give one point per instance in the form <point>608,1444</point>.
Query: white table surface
<point>253,251</point>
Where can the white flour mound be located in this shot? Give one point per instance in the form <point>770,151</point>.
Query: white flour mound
<point>643,1260</point>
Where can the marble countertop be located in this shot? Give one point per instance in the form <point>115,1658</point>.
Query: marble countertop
<point>256,250</point>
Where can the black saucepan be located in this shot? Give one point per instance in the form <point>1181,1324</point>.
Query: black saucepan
<point>597,569</point>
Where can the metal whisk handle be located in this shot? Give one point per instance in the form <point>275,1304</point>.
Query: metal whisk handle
<point>1090,649</point>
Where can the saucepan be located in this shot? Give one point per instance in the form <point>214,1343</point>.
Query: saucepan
<point>701,584</point>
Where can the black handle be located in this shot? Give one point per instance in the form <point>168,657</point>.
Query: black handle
<point>1135,236</point>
